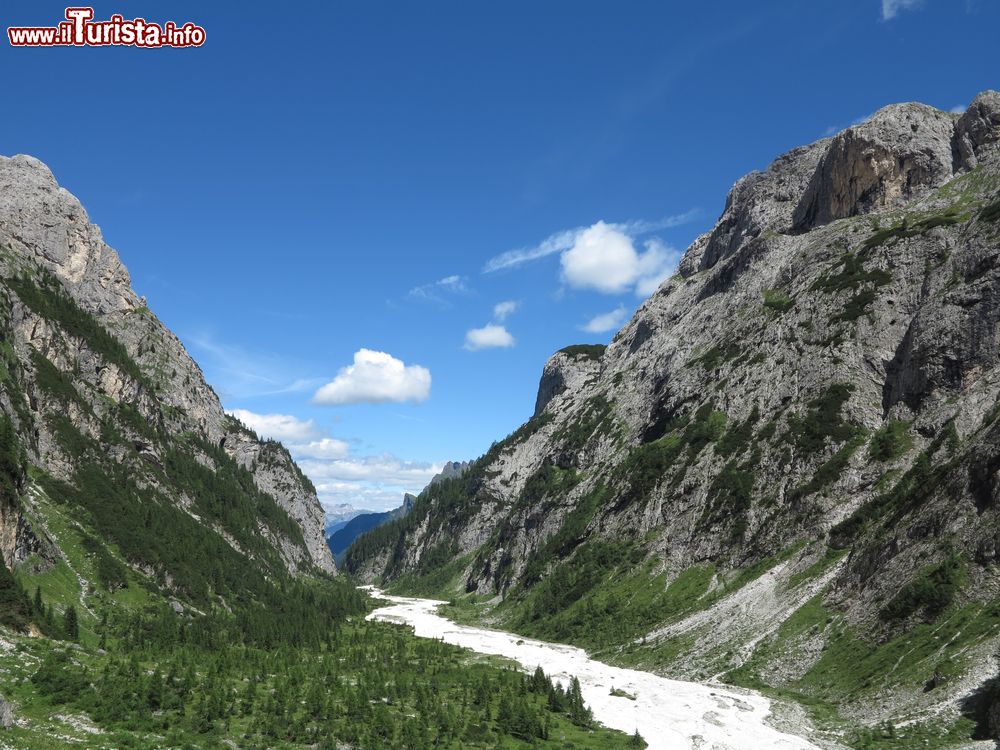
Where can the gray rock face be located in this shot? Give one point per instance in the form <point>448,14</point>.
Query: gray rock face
<point>451,470</point>
<point>566,371</point>
<point>900,151</point>
<point>978,130</point>
<point>849,292</point>
<point>42,226</point>
<point>759,202</point>
<point>6,714</point>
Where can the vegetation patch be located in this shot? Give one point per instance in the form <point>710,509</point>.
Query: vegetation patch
<point>991,212</point>
<point>730,497</point>
<point>595,418</point>
<point>913,227</point>
<point>919,480</point>
<point>738,436</point>
<point>852,274</point>
<point>568,537</point>
<point>829,471</point>
<point>716,355</point>
<point>47,298</point>
<point>856,306</point>
<point>54,382</point>
<point>821,423</point>
<point>890,441</point>
<point>585,351</point>
<point>929,593</point>
<point>646,466</point>
<point>778,301</point>
<point>827,560</point>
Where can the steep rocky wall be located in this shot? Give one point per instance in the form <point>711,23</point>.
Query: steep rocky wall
<point>850,286</point>
<point>43,227</point>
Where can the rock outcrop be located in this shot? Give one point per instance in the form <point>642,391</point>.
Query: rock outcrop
<point>565,372</point>
<point>6,714</point>
<point>81,344</point>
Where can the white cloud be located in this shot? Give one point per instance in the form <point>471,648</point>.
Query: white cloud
<point>958,109</point>
<point>488,337</point>
<point>891,8</point>
<point>604,259</point>
<point>565,239</point>
<point>376,378</point>
<point>369,482</point>
<point>502,309</point>
<point>601,258</point>
<point>384,468</point>
<point>439,291</point>
<point>656,265</point>
<point>276,426</point>
<point>325,448</point>
<point>608,321</point>
<point>238,374</point>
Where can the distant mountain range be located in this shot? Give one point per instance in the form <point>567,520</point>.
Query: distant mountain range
<point>352,523</point>
<point>345,532</point>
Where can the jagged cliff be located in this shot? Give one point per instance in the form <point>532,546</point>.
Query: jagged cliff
<point>788,453</point>
<point>113,420</point>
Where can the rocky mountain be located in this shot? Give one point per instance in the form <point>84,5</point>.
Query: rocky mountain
<point>782,472</point>
<point>115,440</point>
<point>450,470</point>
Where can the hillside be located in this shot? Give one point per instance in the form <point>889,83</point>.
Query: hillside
<point>781,473</point>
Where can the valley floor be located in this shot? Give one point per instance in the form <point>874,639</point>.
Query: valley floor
<point>669,714</point>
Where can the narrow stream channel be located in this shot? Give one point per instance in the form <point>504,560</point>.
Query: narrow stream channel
<point>669,714</point>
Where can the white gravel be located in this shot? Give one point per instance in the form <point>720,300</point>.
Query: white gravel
<point>669,714</point>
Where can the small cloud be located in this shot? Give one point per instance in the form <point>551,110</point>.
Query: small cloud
<point>608,321</point>
<point>604,259</point>
<point>488,337</point>
<point>439,291</point>
<point>239,374</point>
<point>376,378</point>
<point>276,426</point>
<point>561,241</point>
<point>834,129</point>
<point>502,309</point>
<point>327,448</point>
<point>891,8</point>
<point>958,109</point>
<point>656,265</point>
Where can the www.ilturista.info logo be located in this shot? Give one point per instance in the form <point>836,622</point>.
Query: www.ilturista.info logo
<point>81,30</point>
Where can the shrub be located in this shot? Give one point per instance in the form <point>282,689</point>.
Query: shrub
<point>891,441</point>
<point>851,276</point>
<point>585,351</point>
<point>821,422</point>
<point>991,212</point>
<point>777,300</point>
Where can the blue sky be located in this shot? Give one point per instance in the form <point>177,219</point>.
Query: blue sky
<point>331,203</point>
